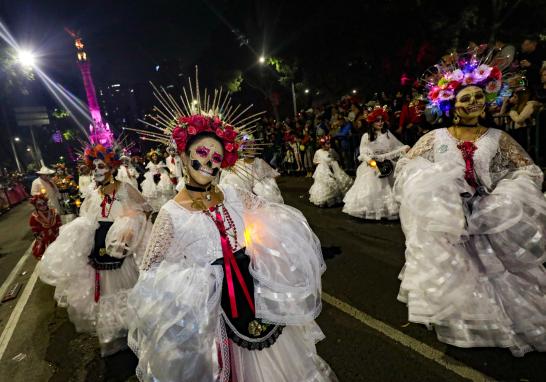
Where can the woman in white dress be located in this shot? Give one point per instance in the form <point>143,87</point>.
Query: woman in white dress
<point>127,172</point>
<point>475,222</point>
<point>157,186</point>
<point>330,181</point>
<point>372,195</point>
<point>219,298</point>
<point>93,262</point>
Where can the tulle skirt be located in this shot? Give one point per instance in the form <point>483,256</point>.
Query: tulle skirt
<point>269,190</point>
<point>371,197</point>
<point>157,194</point>
<point>474,268</point>
<point>325,190</point>
<point>65,266</point>
<point>292,358</point>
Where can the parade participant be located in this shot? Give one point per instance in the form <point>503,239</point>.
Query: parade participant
<point>372,195</point>
<point>254,175</point>
<point>85,182</point>
<point>66,186</point>
<point>93,262</point>
<point>44,223</point>
<point>157,187</point>
<point>174,164</point>
<point>44,185</point>
<point>330,181</point>
<point>475,221</point>
<point>230,285</point>
<point>127,172</point>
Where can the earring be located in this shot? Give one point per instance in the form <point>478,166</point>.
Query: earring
<point>456,119</point>
<point>186,175</point>
<point>482,115</point>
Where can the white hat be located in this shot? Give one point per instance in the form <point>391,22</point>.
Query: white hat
<point>45,171</point>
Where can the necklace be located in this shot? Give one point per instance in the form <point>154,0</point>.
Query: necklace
<point>107,199</point>
<point>201,190</point>
<point>480,130</point>
<point>216,217</point>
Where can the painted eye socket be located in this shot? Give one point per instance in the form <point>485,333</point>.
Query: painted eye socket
<point>217,158</point>
<point>202,151</point>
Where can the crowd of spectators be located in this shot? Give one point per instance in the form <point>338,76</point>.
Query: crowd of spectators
<point>293,141</point>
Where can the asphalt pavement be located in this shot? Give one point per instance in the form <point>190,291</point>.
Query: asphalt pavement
<point>368,337</point>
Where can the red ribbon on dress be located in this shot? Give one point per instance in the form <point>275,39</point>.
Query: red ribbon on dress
<point>97,285</point>
<point>231,265</point>
<point>172,160</point>
<point>468,149</point>
<point>107,200</point>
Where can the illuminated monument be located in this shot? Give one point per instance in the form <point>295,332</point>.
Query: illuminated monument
<point>99,130</point>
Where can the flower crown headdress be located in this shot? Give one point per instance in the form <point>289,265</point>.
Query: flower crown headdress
<point>194,113</point>
<point>35,198</point>
<point>456,71</point>
<point>378,112</point>
<point>106,154</point>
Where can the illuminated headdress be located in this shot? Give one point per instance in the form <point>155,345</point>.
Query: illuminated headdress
<point>106,154</point>
<point>324,140</point>
<point>195,113</point>
<point>152,152</point>
<point>457,71</point>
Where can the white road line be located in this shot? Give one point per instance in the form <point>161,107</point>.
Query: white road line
<point>15,271</point>
<point>16,314</point>
<point>423,349</point>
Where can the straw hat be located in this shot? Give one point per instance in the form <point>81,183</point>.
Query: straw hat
<point>45,171</point>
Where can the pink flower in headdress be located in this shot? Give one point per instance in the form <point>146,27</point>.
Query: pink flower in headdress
<point>493,86</point>
<point>446,95</point>
<point>456,75</point>
<point>192,130</point>
<point>229,147</point>
<point>481,72</point>
<point>453,85</point>
<point>219,133</point>
<point>469,79</point>
<point>433,93</point>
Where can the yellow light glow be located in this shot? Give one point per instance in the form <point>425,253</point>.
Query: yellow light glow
<point>373,163</point>
<point>78,203</point>
<point>247,236</point>
<point>43,190</point>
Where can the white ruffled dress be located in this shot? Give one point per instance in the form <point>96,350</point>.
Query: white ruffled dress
<point>67,266</point>
<point>474,260</point>
<point>257,177</point>
<point>157,194</point>
<point>178,329</point>
<point>330,181</point>
<point>372,197</point>
<point>128,174</point>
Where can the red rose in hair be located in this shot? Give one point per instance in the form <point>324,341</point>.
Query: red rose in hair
<point>229,159</point>
<point>495,73</point>
<point>192,130</point>
<point>180,137</point>
<point>229,147</point>
<point>434,93</point>
<point>219,133</point>
<point>452,85</point>
<point>230,134</point>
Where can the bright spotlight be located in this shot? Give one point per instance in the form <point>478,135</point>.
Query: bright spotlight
<point>306,91</point>
<point>354,91</point>
<point>26,58</point>
<point>16,139</point>
<point>261,60</point>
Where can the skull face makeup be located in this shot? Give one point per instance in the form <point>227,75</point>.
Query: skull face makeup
<point>101,171</point>
<point>470,103</point>
<point>41,205</point>
<point>205,158</point>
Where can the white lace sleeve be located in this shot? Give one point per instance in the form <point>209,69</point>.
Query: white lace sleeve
<point>365,151</point>
<point>249,200</point>
<point>160,241</point>
<point>424,148</point>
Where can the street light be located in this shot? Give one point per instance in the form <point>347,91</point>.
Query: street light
<point>306,91</point>
<point>354,91</point>
<point>261,60</point>
<point>17,139</point>
<point>26,58</point>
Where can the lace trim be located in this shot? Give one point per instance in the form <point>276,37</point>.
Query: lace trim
<point>423,148</point>
<point>249,200</point>
<point>223,344</point>
<point>511,157</point>
<point>160,241</point>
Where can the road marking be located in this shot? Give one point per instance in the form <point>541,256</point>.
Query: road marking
<point>16,314</point>
<point>15,271</point>
<point>423,349</point>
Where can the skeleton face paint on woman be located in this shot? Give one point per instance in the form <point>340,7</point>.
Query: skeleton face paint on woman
<point>41,205</point>
<point>204,160</point>
<point>101,171</point>
<point>470,103</point>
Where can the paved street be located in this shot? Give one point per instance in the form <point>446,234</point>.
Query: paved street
<point>367,334</point>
